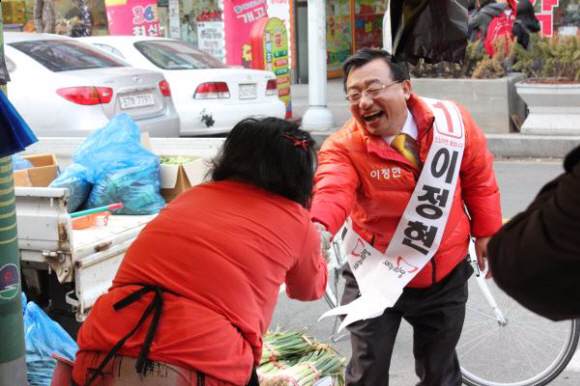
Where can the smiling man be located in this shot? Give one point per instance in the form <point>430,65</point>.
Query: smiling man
<point>404,169</point>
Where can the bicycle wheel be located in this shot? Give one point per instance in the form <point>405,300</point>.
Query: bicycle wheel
<point>528,350</point>
<point>335,286</point>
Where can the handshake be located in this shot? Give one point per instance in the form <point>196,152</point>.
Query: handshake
<point>325,237</point>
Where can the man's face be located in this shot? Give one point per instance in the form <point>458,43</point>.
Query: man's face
<point>381,113</point>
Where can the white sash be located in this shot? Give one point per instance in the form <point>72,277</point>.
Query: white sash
<point>382,277</point>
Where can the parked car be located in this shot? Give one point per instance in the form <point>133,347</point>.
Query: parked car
<point>63,87</point>
<point>209,96</point>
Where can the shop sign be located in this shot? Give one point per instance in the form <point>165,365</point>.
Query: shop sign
<point>338,41</point>
<point>239,17</point>
<point>210,38</point>
<point>546,16</point>
<point>270,52</point>
<point>174,23</point>
<point>281,10</point>
<point>132,17</point>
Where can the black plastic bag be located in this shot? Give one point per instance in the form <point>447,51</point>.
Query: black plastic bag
<point>435,30</point>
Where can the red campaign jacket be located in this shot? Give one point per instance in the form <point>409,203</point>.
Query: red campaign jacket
<point>500,26</point>
<point>362,176</point>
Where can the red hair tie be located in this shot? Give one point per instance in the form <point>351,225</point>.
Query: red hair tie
<point>299,142</point>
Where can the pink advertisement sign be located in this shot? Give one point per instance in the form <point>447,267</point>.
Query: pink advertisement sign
<point>132,17</point>
<point>546,16</point>
<point>239,17</point>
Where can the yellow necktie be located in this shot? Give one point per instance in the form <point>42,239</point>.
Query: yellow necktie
<point>408,148</point>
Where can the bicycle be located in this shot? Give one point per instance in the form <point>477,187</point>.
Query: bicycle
<point>502,343</point>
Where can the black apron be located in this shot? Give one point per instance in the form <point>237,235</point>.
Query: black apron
<point>155,306</point>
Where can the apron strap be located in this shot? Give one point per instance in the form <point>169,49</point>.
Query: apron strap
<point>155,306</point>
<point>254,380</point>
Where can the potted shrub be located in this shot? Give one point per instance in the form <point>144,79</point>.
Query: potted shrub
<point>485,86</point>
<point>551,87</point>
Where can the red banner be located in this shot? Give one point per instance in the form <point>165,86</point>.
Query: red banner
<point>239,17</point>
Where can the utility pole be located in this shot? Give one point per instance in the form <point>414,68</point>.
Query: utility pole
<point>12,353</point>
<point>318,116</point>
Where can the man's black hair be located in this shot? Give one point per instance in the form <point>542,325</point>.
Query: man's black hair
<point>399,70</point>
<point>270,153</point>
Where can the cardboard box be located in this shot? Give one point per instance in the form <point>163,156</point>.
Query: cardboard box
<point>42,174</point>
<point>177,178</point>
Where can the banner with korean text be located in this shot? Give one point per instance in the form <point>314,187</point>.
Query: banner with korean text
<point>239,18</point>
<point>382,277</point>
<point>210,39</point>
<point>132,17</point>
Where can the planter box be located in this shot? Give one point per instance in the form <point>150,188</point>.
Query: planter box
<point>491,102</point>
<point>554,109</point>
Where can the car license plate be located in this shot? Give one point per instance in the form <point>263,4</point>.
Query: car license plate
<point>248,91</point>
<point>136,100</point>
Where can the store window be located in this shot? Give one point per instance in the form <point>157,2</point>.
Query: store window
<point>14,12</point>
<point>64,17</point>
<point>368,22</point>
<point>338,33</point>
<point>567,18</point>
<point>194,15</point>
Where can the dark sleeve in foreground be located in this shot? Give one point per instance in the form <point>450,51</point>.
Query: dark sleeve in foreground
<point>535,258</point>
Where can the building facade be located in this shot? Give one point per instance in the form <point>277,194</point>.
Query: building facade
<point>223,28</point>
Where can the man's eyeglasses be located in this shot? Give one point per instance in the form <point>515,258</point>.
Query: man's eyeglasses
<point>354,97</point>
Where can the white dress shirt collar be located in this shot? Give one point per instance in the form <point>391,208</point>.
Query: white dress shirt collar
<point>409,128</point>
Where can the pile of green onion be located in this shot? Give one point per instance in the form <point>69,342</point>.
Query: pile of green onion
<point>291,358</point>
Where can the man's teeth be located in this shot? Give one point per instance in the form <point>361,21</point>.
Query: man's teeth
<point>372,116</point>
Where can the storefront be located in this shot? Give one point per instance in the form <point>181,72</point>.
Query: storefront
<point>222,28</point>
<point>18,15</point>
<point>364,26</point>
<point>350,26</point>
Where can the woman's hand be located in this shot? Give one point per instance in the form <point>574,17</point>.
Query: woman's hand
<point>325,238</point>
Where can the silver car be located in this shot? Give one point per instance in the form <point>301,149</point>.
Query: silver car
<point>63,87</point>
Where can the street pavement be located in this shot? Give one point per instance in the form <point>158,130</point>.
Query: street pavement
<point>519,181</point>
<point>503,145</point>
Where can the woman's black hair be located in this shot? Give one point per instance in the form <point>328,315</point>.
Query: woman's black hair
<point>399,70</point>
<point>270,153</point>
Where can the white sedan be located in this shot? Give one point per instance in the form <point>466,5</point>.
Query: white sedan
<point>209,96</point>
<point>63,87</point>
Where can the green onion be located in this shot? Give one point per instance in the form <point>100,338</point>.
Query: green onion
<point>292,358</point>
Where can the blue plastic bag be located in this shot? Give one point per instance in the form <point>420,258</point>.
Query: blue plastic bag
<point>76,179</point>
<point>15,134</point>
<point>44,337</point>
<point>120,169</point>
<point>19,163</point>
<point>131,186</point>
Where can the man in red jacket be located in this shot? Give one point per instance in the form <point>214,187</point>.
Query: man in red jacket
<point>361,176</point>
